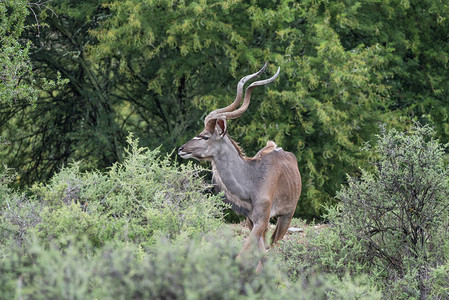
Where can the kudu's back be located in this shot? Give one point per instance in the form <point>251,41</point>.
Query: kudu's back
<point>279,178</point>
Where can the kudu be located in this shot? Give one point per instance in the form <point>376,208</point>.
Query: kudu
<point>264,186</point>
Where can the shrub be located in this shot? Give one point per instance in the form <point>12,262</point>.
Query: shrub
<point>401,211</point>
<point>391,223</point>
<point>328,252</point>
<point>182,269</point>
<point>18,213</point>
<point>440,279</point>
<point>138,231</point>
<point>71,223</point>
<point>144,197</point>
<point>37,272</point>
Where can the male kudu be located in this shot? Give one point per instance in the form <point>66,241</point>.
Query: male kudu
<point>264,186</point>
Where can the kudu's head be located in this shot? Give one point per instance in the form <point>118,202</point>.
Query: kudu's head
<point>206,145</point>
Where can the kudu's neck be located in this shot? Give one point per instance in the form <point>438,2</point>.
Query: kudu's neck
<point>230,169</point>
<point>228,156</point>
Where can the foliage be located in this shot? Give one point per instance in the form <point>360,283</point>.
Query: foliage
<point>392,223</point>
<point>72,121</point>
<point>144,197</point>
<point>6,177</point>
<point>14,57</point>
<point>131,67</point>
<point>322,83</point>
<point>404,201</point>
<point>415,33</point>
<point>439,279</point>
<point>157,67</point>
<point>326,250</point>
<point>70,223</point>
<point>182,269</point>
<point>400,212</point>
<point>16,74</point>
<point>17,212</point>
<point>144,229</point>
<point>140,200</point>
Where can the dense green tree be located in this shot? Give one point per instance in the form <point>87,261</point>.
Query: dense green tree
<point>170,56</point>
<point>74,121</point>
<point>14,60</point>
<point>16,74</point>
<point>147,66</point>
<point>328,103</point>
<point>411,38</point>
<point>157,67</point>
<point>328,99</point>
<point>416,34</point>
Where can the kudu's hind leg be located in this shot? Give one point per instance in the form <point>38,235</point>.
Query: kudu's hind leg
<point>249,223</point>
<point>281,227</point>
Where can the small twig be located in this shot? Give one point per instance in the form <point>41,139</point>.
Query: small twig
<point>7,202</point>
<point>40,5</point>
<point>113,189</point>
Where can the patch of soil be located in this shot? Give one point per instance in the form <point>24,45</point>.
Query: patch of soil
<point>297,228</point>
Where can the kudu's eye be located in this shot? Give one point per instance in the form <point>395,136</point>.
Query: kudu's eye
<point>203,137</point>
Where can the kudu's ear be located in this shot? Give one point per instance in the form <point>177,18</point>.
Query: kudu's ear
<point>221,126</point>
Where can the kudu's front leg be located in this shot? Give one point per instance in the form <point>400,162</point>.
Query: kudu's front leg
<point>256,237</point>
<point>258,226</point>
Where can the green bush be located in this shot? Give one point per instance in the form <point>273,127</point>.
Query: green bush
<point>37,272</point>
<point>391,224</point>
<point>18,212</point>
<point>146,229</point>
<point>325,251</point>
<point>440,278</point>
<point>144,197</point>
<point>182,269</point>
<point>401,211</point>
<point>71,223</point>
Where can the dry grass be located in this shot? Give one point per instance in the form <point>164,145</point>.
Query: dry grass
<point>241,229</point>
